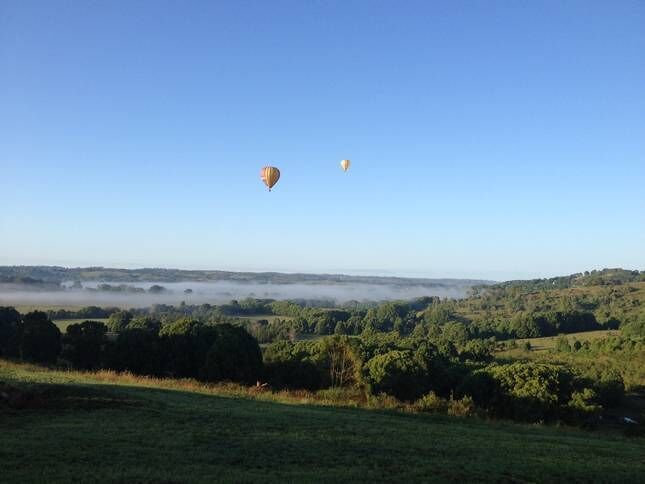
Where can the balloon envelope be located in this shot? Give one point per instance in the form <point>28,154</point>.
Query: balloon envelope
<point>270,176</point>
<point>345,164</point>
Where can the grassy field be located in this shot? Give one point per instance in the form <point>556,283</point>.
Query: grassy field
<point>108,428</point>
<point>542,344</point>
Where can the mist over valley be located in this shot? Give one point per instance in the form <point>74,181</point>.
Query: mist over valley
<point>43,285</point>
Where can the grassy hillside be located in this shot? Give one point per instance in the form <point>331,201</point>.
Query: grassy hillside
<point>595,298</point>
<point>628,361</point>
<point>621,302</point>
<point>548,342</point>
<point>614,276</point>
<point>102,427</point>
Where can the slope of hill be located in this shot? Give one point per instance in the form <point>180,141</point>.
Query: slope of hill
<point>602,277</point>
<point>129,431</point>
<point>612,303</point>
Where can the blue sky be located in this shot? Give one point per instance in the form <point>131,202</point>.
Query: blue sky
<point>488,139</point>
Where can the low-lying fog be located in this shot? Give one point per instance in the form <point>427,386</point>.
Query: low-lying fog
<point>216,293</point>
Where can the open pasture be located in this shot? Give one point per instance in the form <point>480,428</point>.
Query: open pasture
<point>108,428</point>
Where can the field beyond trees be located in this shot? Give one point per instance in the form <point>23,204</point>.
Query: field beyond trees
<point>135,429</point>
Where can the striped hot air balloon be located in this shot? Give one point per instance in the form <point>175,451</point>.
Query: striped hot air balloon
<point>270,176</point>
<point>345,164</point>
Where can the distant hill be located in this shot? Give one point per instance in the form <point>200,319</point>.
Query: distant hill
<point>56,275</point>
<point>604,277</point>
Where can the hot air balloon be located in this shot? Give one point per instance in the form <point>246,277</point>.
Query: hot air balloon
<point>345,164</point>
<point>270,176</point>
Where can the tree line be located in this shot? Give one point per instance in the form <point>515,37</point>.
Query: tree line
<point>269,320</point>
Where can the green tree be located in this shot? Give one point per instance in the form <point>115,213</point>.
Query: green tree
<point>455,332</point>
<point>291,365</point>
<point>234,356</point>
<point>610,388</point>
<point>339,358</point>
<point>40,338</point>
<point>395,373</point>
<point>10,327</point>
<point>437,314</point>
<point>186,343</point>
<point>83,343</point>
<point>583,406</point>
<point>119,321</point>
<point>138,351</point>
<point>477,350</point>
<point>531,391</point>
<point>148,323</point>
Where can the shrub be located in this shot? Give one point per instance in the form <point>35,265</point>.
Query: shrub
<point>531,392</point>
<point>432,403</point>
<point>562,345</point>
<point>395,373</point>
<point>610,388</point>
<point>464,407</point>
<point>383,401</point>
<point>583,407</point>
<point>339,396</point>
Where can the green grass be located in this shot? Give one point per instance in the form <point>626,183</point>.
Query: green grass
<point>108,428</point>
<point>546,343</point>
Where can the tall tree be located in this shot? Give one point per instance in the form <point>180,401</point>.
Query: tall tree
<point>40,339</point>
